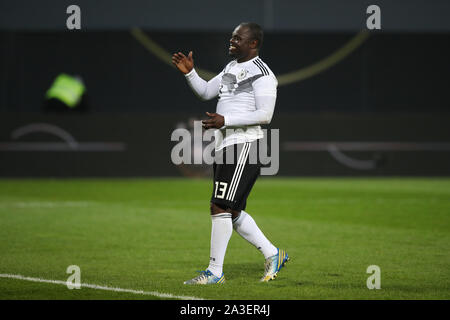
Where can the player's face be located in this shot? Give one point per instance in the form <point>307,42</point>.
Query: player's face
<point>241,43</point>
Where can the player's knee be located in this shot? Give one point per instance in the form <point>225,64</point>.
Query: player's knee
<point>235,214</point>
<point>215,209</point>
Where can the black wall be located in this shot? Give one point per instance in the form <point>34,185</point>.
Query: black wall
<point>109,145</point>
<point>387,73</point>
<point>207,15</point>
<point>382,110</point>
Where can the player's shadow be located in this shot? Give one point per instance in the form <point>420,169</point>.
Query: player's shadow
<point>242,272</point>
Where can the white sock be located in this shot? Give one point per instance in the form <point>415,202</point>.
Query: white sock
<point>247,228</point>
<point>221,231</point>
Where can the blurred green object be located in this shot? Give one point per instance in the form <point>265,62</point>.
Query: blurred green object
<point>67,89</point>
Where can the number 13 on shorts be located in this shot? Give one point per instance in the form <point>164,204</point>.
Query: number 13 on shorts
<point>220,189</point>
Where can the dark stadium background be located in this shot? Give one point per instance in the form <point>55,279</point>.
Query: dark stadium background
<point>383,109</point>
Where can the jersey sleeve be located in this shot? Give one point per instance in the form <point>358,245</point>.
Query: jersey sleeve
<point>265,86</point>
<point>265,90</point>
<point>205,90</point>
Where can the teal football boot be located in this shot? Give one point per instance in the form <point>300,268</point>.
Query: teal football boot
<point>274,264</point>
<point>206,277</point>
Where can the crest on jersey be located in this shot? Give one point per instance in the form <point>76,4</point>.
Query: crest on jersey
<point>228,81</point>
<point>242,74</point>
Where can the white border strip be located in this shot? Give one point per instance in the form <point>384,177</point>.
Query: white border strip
<point>97,287</point>
<point>241,169</point>
<point>240,163</point>
<point>235,171</point>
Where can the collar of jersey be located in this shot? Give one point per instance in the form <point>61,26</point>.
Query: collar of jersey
<point>247,60</point>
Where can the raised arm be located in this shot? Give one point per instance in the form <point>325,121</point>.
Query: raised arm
<point>205,90</point>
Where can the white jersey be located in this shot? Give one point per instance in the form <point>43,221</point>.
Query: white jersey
<point>247,93</point>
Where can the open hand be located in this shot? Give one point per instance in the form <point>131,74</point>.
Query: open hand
<point>215,121</point>
<point>183,63</point>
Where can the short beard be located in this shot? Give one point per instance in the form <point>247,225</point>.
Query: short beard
<point>234,55</point>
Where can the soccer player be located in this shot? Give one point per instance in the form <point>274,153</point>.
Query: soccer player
<point>247,91</point>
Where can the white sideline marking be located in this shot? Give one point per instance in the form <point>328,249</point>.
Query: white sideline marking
<point>97,287</point>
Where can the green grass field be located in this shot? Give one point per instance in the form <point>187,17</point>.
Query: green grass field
<point>152,234</point>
